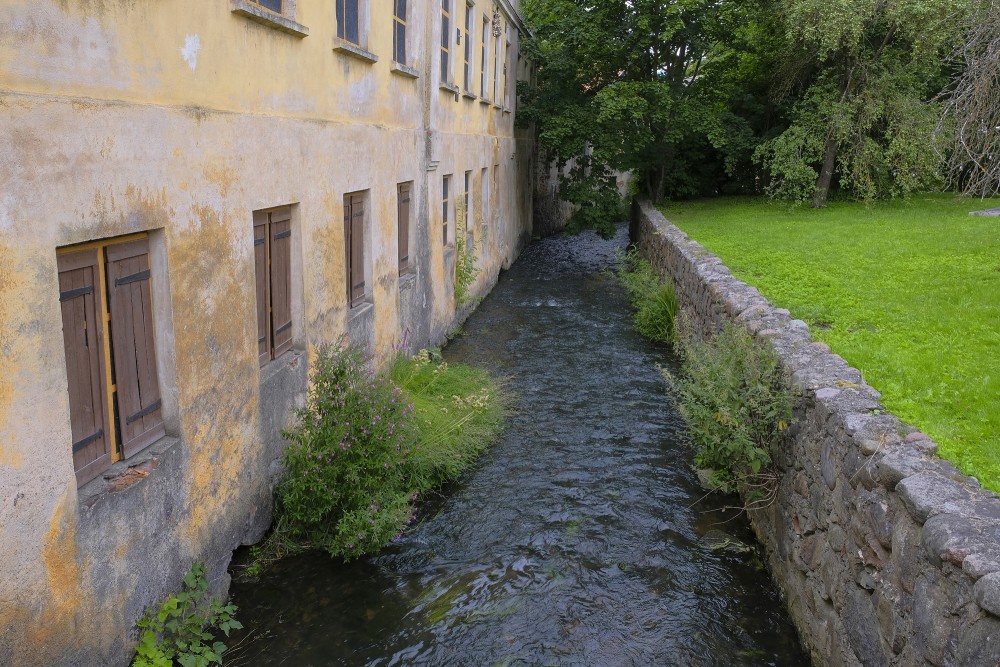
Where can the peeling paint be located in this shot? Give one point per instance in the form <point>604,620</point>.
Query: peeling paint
<point>192,44</point>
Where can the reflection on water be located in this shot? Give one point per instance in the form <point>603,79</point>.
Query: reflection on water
<point>580,539</point>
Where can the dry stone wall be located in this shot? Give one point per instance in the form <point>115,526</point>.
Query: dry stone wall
<point>886,554</point>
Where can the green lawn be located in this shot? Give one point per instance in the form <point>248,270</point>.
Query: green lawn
<point>907,291</point>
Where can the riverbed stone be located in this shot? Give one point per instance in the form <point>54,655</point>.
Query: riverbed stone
<point>929,493</point>
<point>898,463</point>
<point>983,562</point>
<point>950,537</point>
<point>987,593</point>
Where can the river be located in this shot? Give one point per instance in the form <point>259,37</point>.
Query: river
<point>581,539</point>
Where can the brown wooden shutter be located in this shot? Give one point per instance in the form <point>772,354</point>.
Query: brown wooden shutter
<point>263,287</point>
<point>357,250</point>
<point>404,228</point>
<point>140,415</point>
<point>83,339</point>
<point>281,280</point>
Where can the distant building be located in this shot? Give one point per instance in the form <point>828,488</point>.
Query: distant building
<point>193,195</point>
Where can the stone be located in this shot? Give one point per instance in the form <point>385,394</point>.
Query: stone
<point>950,537</point>
<point>836,538</point>
<point>827,393</point>
<point>979,645</point>
<point>861,627</point>
<point>987,593</point>
<point>983,562</point>
<point>932,624</point>
<point>898,463</point>
<point>826,462</point>
<point>925,494</point>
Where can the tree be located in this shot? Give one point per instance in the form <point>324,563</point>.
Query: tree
<point>970,124</point>
<point>626,85</point>
<point>863,75</point>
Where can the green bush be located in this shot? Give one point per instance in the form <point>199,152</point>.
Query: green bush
<point>654,301</point>
<point>181,629</point>
<point>368,445</point>
<point>735,399</point>
<point>347,487</point>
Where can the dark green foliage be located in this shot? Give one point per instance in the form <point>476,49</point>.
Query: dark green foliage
<point>181,630</point>
<point>368,445</point>
<point>736,401</point>
<point>347,489</point>
<point>653,300</point>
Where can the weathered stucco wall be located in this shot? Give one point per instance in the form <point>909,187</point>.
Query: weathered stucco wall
<point>886,554</point>
<point>179,119</point>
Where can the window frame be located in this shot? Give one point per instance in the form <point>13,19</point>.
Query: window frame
<point>404,227</point>
<point>484,77</point>
<point>445,41</point>
<point>356,249</point>
<point>445,201</point>
<point>260,3</point>
<point>341,11</point>
<point>399,25</point>
<point>468,55</point>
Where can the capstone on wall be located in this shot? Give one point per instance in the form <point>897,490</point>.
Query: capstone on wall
<point>173,122</point>
<point>885,554</point>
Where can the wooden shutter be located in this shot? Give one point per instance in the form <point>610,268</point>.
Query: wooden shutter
<point>263,287</point>
<point>403,213</point>
<point>281,280</point>
<point>83,339</point>
<point>140,415</point>
<point>354,237</point>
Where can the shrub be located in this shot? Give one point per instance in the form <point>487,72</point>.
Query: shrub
<point>368,445</point>
<point>654,302</point>
<point>347,489</point>
<point>466,271</point>
<point>181,630</point>
<point>735,399</point>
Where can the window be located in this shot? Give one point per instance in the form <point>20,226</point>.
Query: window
<point>399,31</point>
<point>348,21</point>
<point>403,222</point>
<point>484,63</point>
<point>496,73</point>
<point>445,184</point>
<point>272,243</point>
<point>467,53</point>
<point>486,201</point>
<point>354,247</point>
<point>506,86</point>
<point>445,40</point>
<point>273,5</point>
<point>108,337</point>
<point>470,236</point>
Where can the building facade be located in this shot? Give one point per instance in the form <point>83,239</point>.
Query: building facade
<point>194,194</point>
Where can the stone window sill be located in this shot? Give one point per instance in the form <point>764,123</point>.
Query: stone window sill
<point>126,473</point>
<point>354,51</point>
<point>469,95</point>
<point>360,310</point>
<point>265,17</point>
<point>407,280</point>
<point>449,87</point>
<point>484,101</point>
<point>404,70</point>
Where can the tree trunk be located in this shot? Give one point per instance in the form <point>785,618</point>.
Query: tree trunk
<point>826,174</point>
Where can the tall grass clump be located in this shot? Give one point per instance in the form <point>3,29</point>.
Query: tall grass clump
<point>653,300</point>
<point>367,445</point>
<point>736,401</point>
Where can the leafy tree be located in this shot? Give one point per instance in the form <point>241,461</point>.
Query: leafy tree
<point>629,85</point>
<point>863,75</point>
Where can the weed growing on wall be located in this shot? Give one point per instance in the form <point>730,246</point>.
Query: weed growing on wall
<point>181,630</point>
<point>466,271</point>
<point>735,399</point>
<point>653,300</point>
<point>368,445</point>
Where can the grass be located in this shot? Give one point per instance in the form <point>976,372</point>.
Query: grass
<point>906,291</point>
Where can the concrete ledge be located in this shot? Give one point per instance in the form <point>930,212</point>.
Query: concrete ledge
<point>260,15</point>
<point>886,554</point>
<point>353,50</point>
<point>404,70</point>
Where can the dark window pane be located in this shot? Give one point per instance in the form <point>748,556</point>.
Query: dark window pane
<point>352,22</point>
<point>399,52</point>
<point>273,5</point>
<point>340,18</point>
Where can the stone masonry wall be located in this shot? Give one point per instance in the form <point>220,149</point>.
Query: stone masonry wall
<point>886,554</point>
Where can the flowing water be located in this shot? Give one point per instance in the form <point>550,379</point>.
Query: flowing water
<point>581,539</point>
